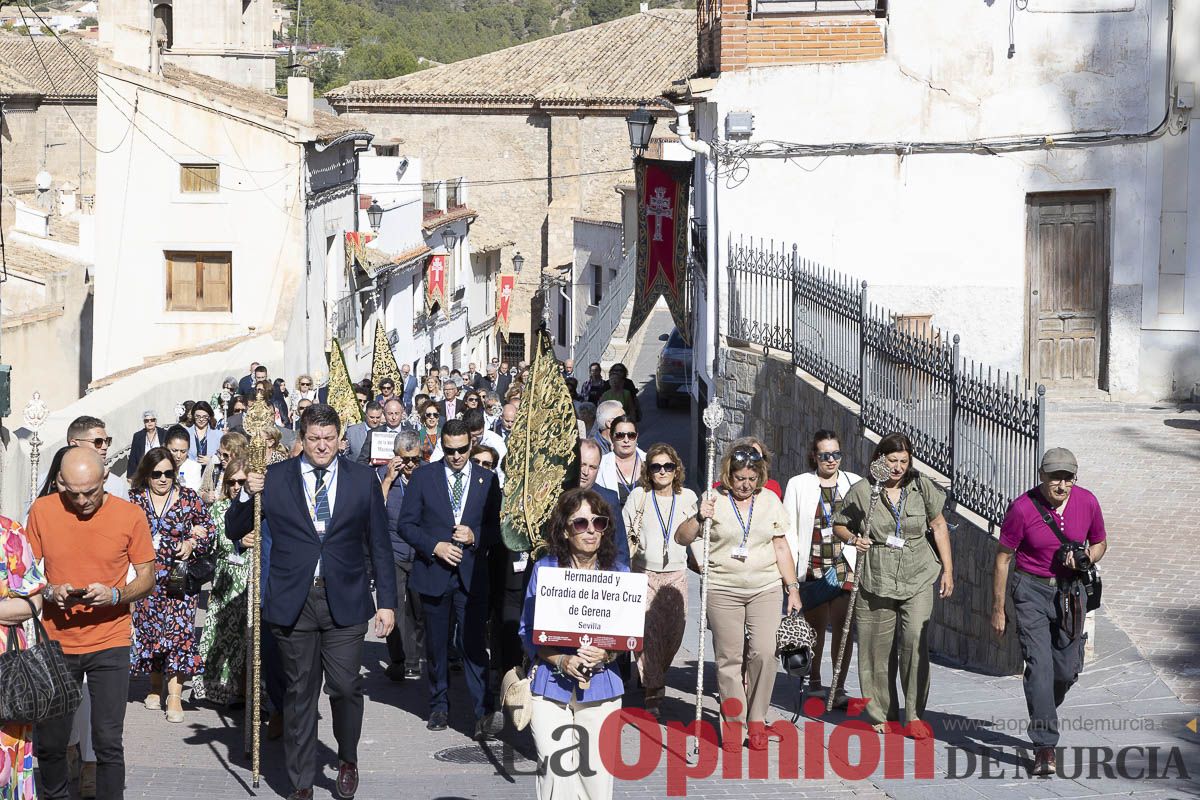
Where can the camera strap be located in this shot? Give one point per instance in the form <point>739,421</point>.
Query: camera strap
<point>1072,609</point>
<point>1040,504</point>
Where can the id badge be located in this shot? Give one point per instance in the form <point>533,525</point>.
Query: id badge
<point>741,552</point>
<point>895,541</point>
<point>320,526</point>
<point>826,534</point>
<point>521,563</point>
<point>235,559</point>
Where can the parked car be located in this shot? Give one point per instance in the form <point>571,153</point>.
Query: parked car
<point>674,369</point>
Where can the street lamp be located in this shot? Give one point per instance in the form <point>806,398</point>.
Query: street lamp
<point>518,262</point>
<point>375,215</point>
<point>641,127</point>
<point>450,238</point>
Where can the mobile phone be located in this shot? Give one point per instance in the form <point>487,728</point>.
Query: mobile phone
<point>76,592</point>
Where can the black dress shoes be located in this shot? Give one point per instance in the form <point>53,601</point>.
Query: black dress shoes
<point>395,672</point>
<point>300,794</point>
<point>489,726</point>
<point>1043,763</point>
<point>438,721</point>
<point>347,781</point>
<point>412,674</point>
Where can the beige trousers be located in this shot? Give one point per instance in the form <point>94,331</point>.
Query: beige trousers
<point>559,777</point>
<point>743,626</point>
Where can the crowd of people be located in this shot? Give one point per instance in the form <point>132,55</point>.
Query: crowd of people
<point>117,566</point>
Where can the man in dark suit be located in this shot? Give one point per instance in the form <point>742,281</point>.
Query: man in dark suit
<point>145,440</point>
<point>489,381</point>
<point>408,387</point>
<point>451,517</point>
<point>504,380</point>
<point>323,513</point>
<point>246,385</point>
<point>394,421</point>
<point>450,406</point>
<point>356,434</point>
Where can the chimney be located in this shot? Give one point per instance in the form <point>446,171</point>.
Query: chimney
<point>300,100</point>
<point>644,7</point>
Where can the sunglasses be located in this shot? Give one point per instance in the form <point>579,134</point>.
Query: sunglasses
<point>485,463</point>
<point>456,451</point>
<point>387,387</point>
<point>97,442</point>
<point>410,459</point>
<point>836,455</point>
<point>746,456</point>
<point>150,419</point>
<point>238,482</point>
<point>625,435</point>
<point>580,524</point>
<point>431,416</point>
<point>666,466</point>
<point>158,474</point>
<point>304,384</point>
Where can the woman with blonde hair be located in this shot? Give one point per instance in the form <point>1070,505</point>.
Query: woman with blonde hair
<point>656,508</point>
<point>749,557</point>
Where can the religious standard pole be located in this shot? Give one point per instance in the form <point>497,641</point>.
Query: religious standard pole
<point>36,412</point>
<point>257,421</point>
<point>714,415</point>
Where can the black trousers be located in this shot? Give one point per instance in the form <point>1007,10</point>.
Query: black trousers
<point>471,614</point>
<point>1052,658</point>
<point>107,674</point>
<point>406,642</point>
<point>507,650</point>
<point>315,644</point>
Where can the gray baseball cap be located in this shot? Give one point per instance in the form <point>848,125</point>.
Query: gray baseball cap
<point>148,414</point>
<point>1059,459</point>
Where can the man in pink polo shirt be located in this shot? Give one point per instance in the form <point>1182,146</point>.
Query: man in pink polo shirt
<point>1046,591</point>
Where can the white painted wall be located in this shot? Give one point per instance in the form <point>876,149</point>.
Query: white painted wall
<point>258,215</point>
<point>945,233</point>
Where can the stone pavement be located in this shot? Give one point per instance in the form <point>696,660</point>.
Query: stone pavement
<point>1143,463</point>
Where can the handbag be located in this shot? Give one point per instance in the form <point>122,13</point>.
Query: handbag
<point>635,532</point>
<point>516,694</point>
<point>35,684</point>
<point>794,633</point>
<point>819,592</point>
<point>187,578</point>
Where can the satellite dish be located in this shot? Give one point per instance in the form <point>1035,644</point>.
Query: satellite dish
<point>43,181</point>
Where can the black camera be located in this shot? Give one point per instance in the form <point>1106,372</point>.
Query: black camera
<point>1083,561</point>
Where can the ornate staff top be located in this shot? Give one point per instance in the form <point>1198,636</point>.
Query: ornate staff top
<point>257,421</point>
<point>36,412</point>
<point>714,415</point>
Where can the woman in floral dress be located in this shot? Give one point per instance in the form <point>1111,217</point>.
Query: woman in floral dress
<point>223,643</point>
<point>165,640</point>
<point>19,578</point>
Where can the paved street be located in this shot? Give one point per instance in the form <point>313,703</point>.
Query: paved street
<point>1143,462</point>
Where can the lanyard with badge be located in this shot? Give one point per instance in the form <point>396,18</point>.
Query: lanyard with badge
<point>319,524</point>
<point>157,523</point>
<point>826,510</point>
<point>668,525</point>
<point>457,508</point>
<point>896,540</point>
<point>742,552</point>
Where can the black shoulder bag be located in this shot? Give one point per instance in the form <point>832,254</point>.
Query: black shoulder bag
<point>35,684</point>
<point>1090,577</point>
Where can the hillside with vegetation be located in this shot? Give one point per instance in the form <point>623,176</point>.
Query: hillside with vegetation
<point>370,39</point>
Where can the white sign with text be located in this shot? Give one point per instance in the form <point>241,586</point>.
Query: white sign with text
<point>578,607</point>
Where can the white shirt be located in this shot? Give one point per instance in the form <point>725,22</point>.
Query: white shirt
<point>466,473</point>
<point>309,476</point>
<point>610,478</point>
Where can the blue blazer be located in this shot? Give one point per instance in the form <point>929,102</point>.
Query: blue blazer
<point>618,522</point>
<point>426,518</point>
<point>292,546</point>
<point>401,550</point>
<point>212,440</point>
<point>408,392</point>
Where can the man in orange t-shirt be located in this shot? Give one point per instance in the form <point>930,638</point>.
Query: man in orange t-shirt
<point>88,539</point>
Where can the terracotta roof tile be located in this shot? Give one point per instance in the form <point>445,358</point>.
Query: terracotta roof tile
<point>622,62</point>
<point>65,76</point>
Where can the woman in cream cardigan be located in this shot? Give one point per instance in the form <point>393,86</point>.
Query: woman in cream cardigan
<point>811,501</point>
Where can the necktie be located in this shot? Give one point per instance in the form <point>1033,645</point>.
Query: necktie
<point>457,492</point>
<point>321,501</point>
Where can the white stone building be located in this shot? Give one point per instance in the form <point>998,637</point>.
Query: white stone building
<point>221,210</point>
<point>1039,196</point>
<point>424,224</point>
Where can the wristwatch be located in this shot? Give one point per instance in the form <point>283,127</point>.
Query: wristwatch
<point>793,585</point>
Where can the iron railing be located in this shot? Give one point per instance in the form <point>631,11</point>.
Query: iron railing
<point>983,429</point>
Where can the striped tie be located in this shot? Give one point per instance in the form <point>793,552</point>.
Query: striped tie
<point>321,500</point>
<point>457,489</point>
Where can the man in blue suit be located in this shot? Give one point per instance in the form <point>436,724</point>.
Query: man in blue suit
<point>408,387</point>
<point>322,512</point>
<point>451,517</point>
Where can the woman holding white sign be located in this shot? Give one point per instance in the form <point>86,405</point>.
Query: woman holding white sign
<point>572,686</point>
<point>748,555</point>
<point>654,511</point>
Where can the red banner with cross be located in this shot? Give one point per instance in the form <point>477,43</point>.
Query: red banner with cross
<point>662,241</point>
<point>504,293</point>
<point>435,283</point>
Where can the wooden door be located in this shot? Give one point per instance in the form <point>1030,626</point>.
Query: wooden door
<point>1067,280</point>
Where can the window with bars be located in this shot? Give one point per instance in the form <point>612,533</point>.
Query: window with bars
<point>512,349</point>
<point>199,281</point>
<point>199,178</point>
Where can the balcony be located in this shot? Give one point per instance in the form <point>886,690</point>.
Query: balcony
<point>439,198</point>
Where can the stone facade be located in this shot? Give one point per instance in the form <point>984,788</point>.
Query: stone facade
<point>767,397</point>
<point>28,129</point>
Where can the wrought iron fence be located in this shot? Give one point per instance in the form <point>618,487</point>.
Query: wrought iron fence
<point>981,428</point>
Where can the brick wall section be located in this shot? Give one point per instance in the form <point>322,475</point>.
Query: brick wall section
<point>735,41</point>
<point>766,397</point>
